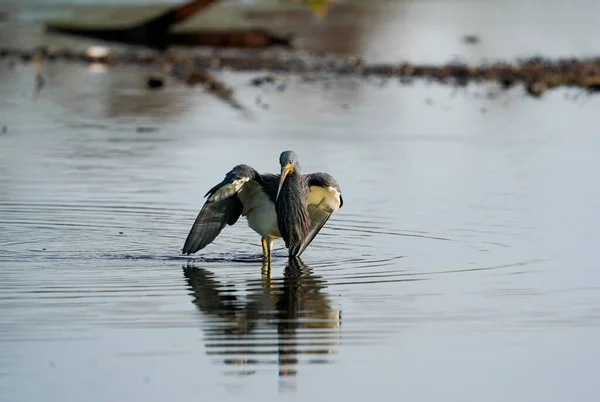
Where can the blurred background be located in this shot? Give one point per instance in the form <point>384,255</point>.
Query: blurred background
<point>425,31</point>
<point>461,266</point>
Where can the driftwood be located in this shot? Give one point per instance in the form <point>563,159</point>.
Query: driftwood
<point>156,32</point>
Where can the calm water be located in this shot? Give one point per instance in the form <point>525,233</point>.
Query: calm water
<point>462,266</point>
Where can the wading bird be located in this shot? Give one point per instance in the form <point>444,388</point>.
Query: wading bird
<point>288,205</point>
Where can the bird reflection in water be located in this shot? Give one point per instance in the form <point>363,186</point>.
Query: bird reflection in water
<point>242,318</point>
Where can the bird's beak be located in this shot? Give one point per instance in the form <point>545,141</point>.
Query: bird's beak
<point>285,170</point>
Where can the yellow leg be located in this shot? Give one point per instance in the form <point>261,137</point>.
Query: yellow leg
<point>269,249</point>
<point>263,241</point>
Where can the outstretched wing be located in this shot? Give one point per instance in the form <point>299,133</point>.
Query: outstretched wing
<point>324,198</point>
<point>223,207</point>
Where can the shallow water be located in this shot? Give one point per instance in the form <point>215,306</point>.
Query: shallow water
<point>461,267</point>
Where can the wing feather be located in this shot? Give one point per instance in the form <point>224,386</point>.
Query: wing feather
<point>318,218</point>
<point>324,198</point>
<point>223,207</point>
<point>210,222</point>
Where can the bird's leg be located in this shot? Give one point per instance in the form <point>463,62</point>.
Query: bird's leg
<point>263,241</point>
<point>270,249</point>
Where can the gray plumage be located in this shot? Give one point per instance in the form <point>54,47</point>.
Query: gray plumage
<point>295,208</point>
<point>293,219</point>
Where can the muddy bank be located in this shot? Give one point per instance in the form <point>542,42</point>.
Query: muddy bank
<point>537,74</point>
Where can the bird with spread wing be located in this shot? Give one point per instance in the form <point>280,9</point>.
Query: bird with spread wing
<point>290,205</point>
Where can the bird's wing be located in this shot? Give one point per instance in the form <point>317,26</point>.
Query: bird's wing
<point>324,198</point>
<point>223,207</point>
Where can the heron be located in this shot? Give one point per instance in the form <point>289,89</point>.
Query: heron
<point>288,205</point>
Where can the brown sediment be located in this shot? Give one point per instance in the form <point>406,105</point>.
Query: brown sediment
<point>537,75</point>
<point>203,78</point>
<point>470,39</point>
<point>154,82</point>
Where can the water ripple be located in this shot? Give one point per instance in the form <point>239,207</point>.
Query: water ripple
<point>83,267</point>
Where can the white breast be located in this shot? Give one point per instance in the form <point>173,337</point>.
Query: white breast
<point>259,210</point>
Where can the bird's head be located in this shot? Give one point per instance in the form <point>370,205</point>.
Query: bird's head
<point>289,163</point>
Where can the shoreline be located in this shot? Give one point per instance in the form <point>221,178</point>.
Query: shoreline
<point>537,74</point>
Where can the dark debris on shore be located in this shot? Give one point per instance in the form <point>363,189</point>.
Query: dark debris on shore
<point>537,74</point>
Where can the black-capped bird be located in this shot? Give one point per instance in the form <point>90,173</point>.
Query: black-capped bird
<point>289,205</point>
